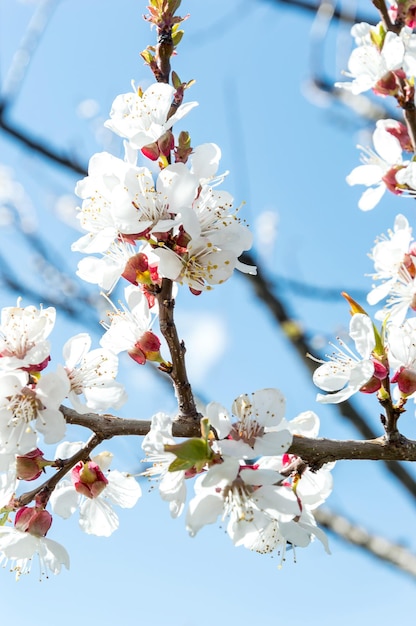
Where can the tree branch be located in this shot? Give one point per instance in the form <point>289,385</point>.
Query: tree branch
<point>315,452</point>
<point>38,146</point>
<point>379,547</point>
<point>338,14</point>
<point>186,402</point>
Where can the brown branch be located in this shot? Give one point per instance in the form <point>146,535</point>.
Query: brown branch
<point>379,547</point>
<point>385,17</point>
<point>186,402</point>
<point>339,14</point>
<point>315,452</point>
<point>108,426</point>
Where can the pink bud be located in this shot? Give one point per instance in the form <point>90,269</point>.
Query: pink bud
<point>380,370</point>
<point>33,520</point>
<point>30,466</point>
<point>137,270</point>
<point>149,342</point>
<point>166,143</point>
<point>151,151</point>
<point>136,353</point>
<point>146,349</point>
<point>405,377</point>
<point>371,386</point>
<point>88,479</point>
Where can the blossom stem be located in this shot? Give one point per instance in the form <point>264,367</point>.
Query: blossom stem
<point>186,402</point>
<point>382,8</point>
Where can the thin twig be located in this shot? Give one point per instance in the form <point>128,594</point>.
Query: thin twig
<point>186,402</point>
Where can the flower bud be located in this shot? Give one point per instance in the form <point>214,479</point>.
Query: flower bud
<point>405,377</point>
<point>137,270</point>
<point>33,520</point>
<point>166,143</point>
<point>146,349</point>
<point>30,466</point>
<point>371,386</point>
<point>88,479</point>
<point>151,151</point>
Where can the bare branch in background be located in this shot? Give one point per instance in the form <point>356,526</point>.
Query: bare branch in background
<point>23,56</point>
<point>383,549</point>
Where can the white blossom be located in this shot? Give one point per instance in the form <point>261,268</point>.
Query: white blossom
<point>25,410</point>
<point>23,336</point>
<point>143,118</point>
<point>172,487</point>
<point>345,373</point>
<point>18,548</point>
<point>256,431</point>
<point>376,166</point>
<point>92,375</point>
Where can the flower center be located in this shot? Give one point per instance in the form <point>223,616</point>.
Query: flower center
<point>24,407</point>
<point>237,500</point>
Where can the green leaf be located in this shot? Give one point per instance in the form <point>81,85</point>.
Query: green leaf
<point>195,450</point>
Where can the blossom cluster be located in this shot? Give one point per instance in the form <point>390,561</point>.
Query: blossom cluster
<point>175,225</point>
<point>385,62</point>
<point>155,215</point>
<point>243,472</point>
<point>30,412</point>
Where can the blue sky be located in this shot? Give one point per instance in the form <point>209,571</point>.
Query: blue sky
<point>251,61</point>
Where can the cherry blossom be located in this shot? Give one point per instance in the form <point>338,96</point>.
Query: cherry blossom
<point>391,257</point>
<point>345,373</point>
<point>268,535</point>
<point>202,265</point>
<point>23,337</point>
<point>378,55</point>
<point>143,118</point>
<point>172,487</point>
<point>379,169</point>
<point>19,544</point>
<point>256,432</point>
<point>120,200</point>
<point>92,376</point>
<point>395,264</point>
<point>402,355</point>
<point>129,329</point>
<point>251,495</point>
<point>21,404</point>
